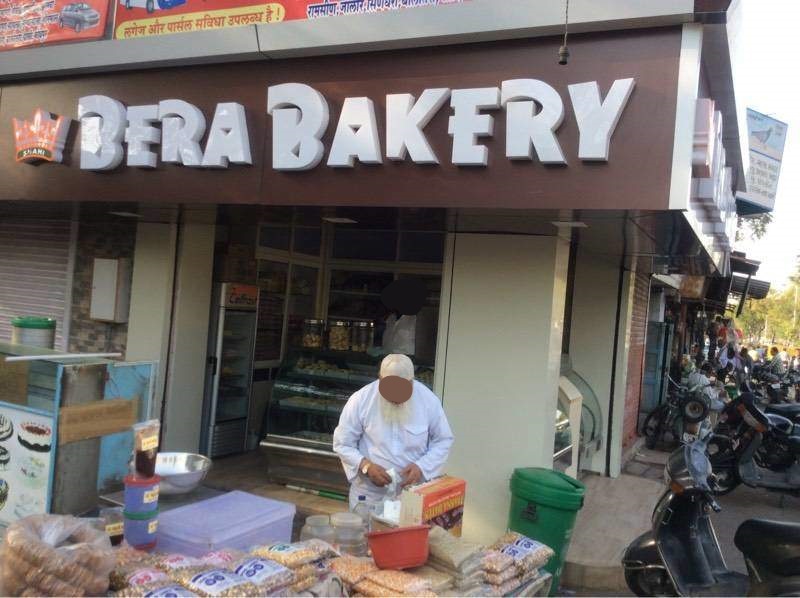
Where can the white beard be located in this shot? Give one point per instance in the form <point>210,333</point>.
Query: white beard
<point>392,413</point>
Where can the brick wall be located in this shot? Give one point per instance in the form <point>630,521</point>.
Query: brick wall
<point>97,239</point>
<point>636,354</point>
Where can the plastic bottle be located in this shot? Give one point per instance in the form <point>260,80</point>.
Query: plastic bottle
<point>362,509</point>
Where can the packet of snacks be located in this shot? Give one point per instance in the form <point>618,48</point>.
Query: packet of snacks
<point>135,575</point>
<point>527,554</point>
<point>222,558</point>
<point>295,555</point>
<point>157,590</point>
<point>173,562</point>
<point>217,582</point>
<point>267,575</point>
<point>352,569</point>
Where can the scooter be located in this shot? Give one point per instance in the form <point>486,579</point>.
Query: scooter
<point>680,555</point>
<point>758,449</point>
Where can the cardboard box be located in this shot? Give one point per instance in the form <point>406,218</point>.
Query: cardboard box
<point>438,502</point>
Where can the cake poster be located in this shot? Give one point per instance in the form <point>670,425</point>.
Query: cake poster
<point>143,18</point>
<point>26,451</point>
<point>37,22</point>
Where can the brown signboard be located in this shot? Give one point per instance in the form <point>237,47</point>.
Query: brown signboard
<point>636,174</point>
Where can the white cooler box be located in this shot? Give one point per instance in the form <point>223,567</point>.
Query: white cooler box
<point>234,520</point>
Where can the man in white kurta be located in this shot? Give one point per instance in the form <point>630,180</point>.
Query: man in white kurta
<point>395,423</point>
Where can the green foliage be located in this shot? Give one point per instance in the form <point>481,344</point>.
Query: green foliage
<point>754,227</point>
<point>776,319</point>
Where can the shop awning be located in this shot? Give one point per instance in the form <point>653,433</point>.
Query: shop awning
<point>741,265</point>
<point>758,289</point>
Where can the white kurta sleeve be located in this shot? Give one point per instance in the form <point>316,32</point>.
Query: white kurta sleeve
<point>440,439</point>
<point>347,436</point>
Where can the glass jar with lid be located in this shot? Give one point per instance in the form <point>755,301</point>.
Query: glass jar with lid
<point>339,335</point>
<point>312,333</point>
<point>361,335</point>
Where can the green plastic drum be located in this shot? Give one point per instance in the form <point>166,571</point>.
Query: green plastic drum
<point>544,504</point>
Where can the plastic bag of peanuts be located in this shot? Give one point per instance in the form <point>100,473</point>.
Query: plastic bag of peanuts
<point>55,555</point>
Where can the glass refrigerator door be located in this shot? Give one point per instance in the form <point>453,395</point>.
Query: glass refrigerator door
<point>235,366</point>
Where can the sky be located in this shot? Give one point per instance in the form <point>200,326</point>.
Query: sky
<point>770,83</point>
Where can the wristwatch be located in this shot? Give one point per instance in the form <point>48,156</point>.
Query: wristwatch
<point>365,468</point>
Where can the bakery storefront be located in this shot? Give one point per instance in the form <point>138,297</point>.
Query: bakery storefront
<point>519,193</point>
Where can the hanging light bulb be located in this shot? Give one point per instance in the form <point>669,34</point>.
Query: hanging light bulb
<point>563,51</point>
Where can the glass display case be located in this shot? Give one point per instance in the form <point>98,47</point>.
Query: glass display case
<point>311,389</point>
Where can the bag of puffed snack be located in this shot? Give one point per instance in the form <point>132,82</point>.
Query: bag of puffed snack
<point>352,569</point>
<point>494,561</point>
<point>134,575</point>
<point>527,554</point>
<point>290,555</point>
<point>222,558</point>
<point>365,587</point>
<point>399,581</point>
<point>498,579</point>
<point>267,575</point>
<point>174,562</point>
<point>156,590</point>
<point>219,582</point>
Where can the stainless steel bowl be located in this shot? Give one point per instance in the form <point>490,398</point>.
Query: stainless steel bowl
<point>181,472</point>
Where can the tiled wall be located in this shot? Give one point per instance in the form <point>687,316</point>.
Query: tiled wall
<point>97,239</point>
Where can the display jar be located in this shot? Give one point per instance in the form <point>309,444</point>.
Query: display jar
<point>339,335</point>
<point>350,533</point>
<point>361,335</point>
<point>313,331</point>
<point>319,527</point>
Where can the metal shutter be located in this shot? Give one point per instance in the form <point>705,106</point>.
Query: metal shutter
<point>34,264</point>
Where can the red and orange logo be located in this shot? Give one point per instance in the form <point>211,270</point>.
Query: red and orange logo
<point>40,139</point>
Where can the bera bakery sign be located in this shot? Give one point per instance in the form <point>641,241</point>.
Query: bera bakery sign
<point>174,131</point>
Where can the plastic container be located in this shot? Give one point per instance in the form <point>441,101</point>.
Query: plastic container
<point>234,520</point>
<point>113,522</point>
<point>313,333</point>
<point>339,335</point>
<point>361,336</point>
<point>350,533</point>
<point>33,331</point>
<point>141,529</point>
<point>544,504</point>
<point>401,548</point>
<point>319,527</point>
<point>145,446</point>
<point>141,494</point>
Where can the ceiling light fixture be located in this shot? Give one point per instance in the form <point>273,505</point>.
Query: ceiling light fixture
<point>126,214</point>
<point>569,224</point>
<point>339,220</point>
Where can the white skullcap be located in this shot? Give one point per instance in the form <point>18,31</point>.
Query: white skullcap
<point>397,364</point>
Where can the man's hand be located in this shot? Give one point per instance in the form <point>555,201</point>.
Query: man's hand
<point>378,476</point>
<point>411,475</point>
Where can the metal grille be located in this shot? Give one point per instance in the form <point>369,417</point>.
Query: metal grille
<point>34,261</point>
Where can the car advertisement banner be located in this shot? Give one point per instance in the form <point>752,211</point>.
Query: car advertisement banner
<point>37,22</point>
<point>142,18</point>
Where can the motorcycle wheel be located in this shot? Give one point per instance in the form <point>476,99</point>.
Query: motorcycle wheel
<point>650,582</point>
<point>727,480</point>
<point>694,411</point>
<point>652,427</point>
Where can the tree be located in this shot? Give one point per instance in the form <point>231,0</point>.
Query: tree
<point>754,227</point>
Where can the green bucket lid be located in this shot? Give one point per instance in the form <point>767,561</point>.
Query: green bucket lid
<point>548,487</point>
<point>34,322</point>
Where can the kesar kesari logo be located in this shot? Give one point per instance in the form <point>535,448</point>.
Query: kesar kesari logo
<point>40,139</point>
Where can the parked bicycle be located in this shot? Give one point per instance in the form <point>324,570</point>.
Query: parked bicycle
<point>682,409</point>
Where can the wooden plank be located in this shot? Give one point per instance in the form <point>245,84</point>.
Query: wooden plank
<point>14,382</point>
<point>95,419</point>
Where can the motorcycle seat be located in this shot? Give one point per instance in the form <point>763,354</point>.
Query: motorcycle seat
<point>785,409</point>
<point>774,545</point>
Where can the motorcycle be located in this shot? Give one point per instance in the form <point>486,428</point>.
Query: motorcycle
<point>775,387</point>
<point>678,416</point>
<point>680,555</point>
<point>755,448</point>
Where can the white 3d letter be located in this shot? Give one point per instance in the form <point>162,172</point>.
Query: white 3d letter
<point>228,138</point>
<point>141,134</point>
<point>102,129</point>
<point>356,135</point>
<point>405,121</point>
<point>597,120</point>
<point>467,124</point>
<point>525,129</point>
<point>182,127</point>
<point>299,118</point>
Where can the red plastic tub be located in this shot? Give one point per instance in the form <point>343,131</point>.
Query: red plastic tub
<point>401,548</point>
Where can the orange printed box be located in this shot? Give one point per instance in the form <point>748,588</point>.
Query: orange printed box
<point>437,502</point>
